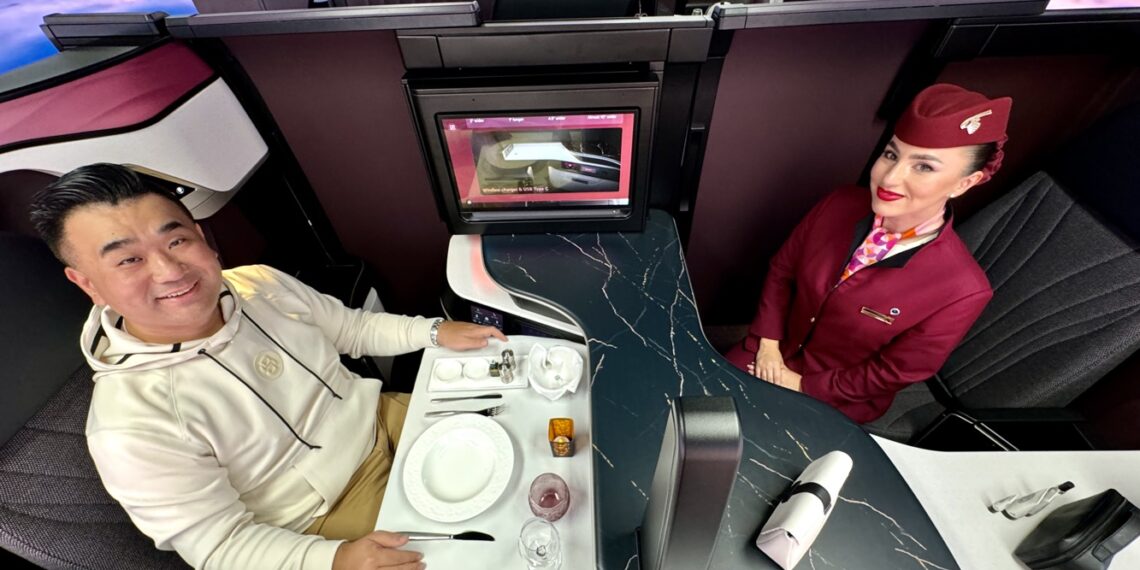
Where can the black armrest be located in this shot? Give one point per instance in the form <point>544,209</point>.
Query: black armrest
<point>1005,429</point>
<point>942,393</point>
<point>1033,415</point>
<point>962,428</point>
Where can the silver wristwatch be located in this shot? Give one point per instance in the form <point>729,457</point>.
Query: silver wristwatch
<point>433,335</point>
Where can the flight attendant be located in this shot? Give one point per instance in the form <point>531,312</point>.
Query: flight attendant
<point>874,289</point>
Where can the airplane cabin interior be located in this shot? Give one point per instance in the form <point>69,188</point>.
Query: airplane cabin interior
<point>613,175</point>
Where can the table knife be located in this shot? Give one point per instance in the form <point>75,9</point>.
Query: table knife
<point>468,535</point>
<point>457,398</point>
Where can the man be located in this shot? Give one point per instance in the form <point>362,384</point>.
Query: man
<point>222,419</point>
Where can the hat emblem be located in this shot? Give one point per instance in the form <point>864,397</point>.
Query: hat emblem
<point>973,123</point>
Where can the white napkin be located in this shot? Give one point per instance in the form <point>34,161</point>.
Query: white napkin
<point>797,520</point>
<point>545,381</point>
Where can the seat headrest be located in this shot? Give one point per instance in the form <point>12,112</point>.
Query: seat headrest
<point>41,317</point>
<point>1101,169</point>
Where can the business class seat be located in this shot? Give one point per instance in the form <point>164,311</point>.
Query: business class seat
<point>53,508</point>
<point>1061,253</point>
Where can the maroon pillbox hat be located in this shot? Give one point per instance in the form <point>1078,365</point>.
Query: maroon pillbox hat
<point>945,116</point>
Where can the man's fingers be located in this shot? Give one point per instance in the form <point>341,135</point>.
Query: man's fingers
<point>407,566</point>
<point>400,558</point>
<point>387,539</point>
<point>497,334</point>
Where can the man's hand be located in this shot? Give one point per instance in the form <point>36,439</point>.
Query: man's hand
<point>377,550</point>
<point>458,335</point>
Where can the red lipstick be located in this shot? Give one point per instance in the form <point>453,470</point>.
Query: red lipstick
<point>887,195</point>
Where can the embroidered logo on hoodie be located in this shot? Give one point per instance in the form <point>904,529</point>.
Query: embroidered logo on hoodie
<point>268,365</point>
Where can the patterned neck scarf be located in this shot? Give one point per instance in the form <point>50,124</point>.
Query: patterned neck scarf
<point>880,241</point>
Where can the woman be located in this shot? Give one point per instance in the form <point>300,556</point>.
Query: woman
<point>874,289</point>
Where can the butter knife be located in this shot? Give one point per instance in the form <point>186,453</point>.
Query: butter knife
<point>458,398</point>
<point>468,535</point>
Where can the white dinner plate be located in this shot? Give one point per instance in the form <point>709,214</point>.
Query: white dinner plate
<point>458,468</point>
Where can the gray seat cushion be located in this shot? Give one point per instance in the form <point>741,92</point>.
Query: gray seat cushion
<point>1066,306</point>
<point>53,508</point>
<point>1066,309</point>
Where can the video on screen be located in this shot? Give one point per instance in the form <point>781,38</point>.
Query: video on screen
<point>547,160</point>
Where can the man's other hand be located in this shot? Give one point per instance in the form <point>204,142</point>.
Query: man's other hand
<point>375,551</point>
<point>458,335</point>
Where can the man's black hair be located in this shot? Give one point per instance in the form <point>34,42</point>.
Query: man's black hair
<point>101,183</point>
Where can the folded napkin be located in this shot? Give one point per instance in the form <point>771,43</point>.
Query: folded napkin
<point>803,509</point>
<point>554,372</point>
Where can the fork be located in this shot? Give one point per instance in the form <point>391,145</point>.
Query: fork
<point>489,412</point>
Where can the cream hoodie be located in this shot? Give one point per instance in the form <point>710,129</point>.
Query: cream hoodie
<point>226,448</point>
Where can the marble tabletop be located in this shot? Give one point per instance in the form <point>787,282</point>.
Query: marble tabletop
<point>631,294</point>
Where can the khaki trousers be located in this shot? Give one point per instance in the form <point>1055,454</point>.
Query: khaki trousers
<point>354,514</point>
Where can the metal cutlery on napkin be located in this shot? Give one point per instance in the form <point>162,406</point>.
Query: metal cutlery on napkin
<point>458,398</point>
<point>492,411</point>
<point>467,535</point>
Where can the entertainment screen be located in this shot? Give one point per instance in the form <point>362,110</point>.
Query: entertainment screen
<point>540,161</point>
<point>569,153</point>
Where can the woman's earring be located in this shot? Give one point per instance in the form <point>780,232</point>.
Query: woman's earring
<point>953,195</point>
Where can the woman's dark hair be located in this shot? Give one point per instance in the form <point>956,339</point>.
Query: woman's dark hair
<point>92,184</point>
<point>980,155</point>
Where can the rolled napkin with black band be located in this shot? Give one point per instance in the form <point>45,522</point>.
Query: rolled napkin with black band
<point>803,509</point>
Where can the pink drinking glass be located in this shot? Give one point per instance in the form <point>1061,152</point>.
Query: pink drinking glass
<point>549,497</point>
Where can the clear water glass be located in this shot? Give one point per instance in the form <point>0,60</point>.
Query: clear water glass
<point>549,497</point>
<point>540,545</point>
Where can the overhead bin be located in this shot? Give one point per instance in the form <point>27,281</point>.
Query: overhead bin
<point>1049,33</point>
<point>119,29</point>
<point>347,19</point>
<point>673,39</point>
<point>730,16</point>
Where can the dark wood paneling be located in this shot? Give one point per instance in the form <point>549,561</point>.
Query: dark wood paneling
<point>1113,407</point>
<point>16,190</point>
<point>794,118</point>
<point>1054,98</point>
<point>340,105</point>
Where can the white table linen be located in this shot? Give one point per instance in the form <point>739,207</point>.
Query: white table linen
<point>525,419</point>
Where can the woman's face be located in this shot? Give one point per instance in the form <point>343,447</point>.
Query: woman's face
<point>911,184</point>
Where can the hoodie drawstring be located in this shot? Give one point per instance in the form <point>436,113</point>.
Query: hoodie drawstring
<point>290,355</point>
<point>259,396</point>
<point>203,352</point>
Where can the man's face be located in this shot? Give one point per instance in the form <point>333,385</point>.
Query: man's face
<point>148,261</point>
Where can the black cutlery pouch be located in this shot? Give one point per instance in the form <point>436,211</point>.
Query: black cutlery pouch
<point>1084,535</point>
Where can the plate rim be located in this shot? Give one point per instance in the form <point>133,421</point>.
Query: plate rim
<point>413,469</point>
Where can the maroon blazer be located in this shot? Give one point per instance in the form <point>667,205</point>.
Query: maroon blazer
<point>836,336</point>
